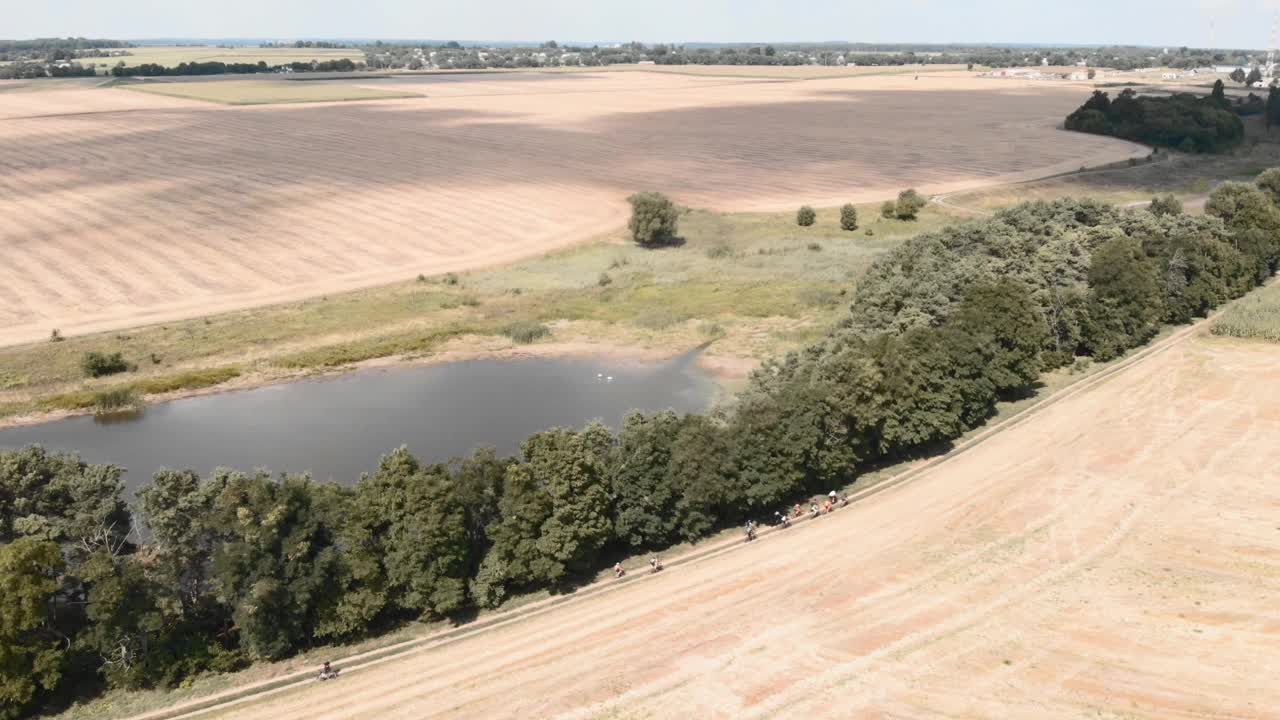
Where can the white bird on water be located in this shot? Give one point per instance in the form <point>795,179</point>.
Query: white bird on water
<point>609,379</point>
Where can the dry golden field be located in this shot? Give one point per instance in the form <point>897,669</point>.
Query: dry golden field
<point>1114,555</point>
<point>119,208</point>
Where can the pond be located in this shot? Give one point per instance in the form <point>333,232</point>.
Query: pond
<point>336,428</point>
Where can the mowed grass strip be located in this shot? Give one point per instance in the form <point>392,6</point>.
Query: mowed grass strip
<point>1254,316</point>
<point>267,92</point>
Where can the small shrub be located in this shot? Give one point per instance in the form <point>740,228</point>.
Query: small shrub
<point>719,250</point>
<point>604,280</point>
<point>818,297</point>
<point>55,335</point>
<point>909,204</point>
<point>422,278</point>
<point>815,247</point>
<point>469,300</point>
<point>870,232</point>
<point>805,216</point>
<point>526,331</point>
<point>450,279</point>
<point>156,359</point>
<point>517,291</point>
<point>1081,365</point>
<point>1165,205</point>
<point>116,399</point>
<point>848,217</point>
<point>653,219</point>
<point>889,210</point>
<point>658,318</point>
<point>711,330</point>
<point>619,261</point>
<point>95,364</point>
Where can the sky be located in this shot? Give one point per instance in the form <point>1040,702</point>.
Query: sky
<point>1235,23</point>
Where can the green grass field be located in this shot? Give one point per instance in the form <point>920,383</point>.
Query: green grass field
<point>756,284</point>
<point>1254,316</point>
<point>171,56</point>
<point>266,92</point>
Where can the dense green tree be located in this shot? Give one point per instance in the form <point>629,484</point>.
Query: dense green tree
<point>1269,183</point>
<point>420,529</point>
<point>1010,325</point>
<point>653,219</point>
<point>1254,221</point>
<point>1184,121</point>
<point>1237,75</point>
<point>1255,75</point>
<point>909,204</point>
<point>644,496</point>
<point>32,650</point>
<point>555,513</point>
<point>279,567</point>
<point>805,216</point>
<point>1126,299</point>
<point>1167,204</point>
<point>178,509</point>
<point>125,618</point>
<point>1218,94</point>
<point>888,209</point>
<point>848,217</point>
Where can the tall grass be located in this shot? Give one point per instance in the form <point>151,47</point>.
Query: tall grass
<point>525,331</point>
<point>116,399</point>
<point>1255,316</point>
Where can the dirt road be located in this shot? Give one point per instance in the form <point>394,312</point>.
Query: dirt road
<point>1117,556</point>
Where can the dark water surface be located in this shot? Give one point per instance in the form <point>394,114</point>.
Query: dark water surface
<point>336,428</point>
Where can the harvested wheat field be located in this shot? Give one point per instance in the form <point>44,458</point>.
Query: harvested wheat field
<point>119,208</point>
<point>1115,555</point>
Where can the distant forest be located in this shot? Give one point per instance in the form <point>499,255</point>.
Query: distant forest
<point>56,56</point>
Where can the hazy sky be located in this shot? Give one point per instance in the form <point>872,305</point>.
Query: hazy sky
<point>1238,23</point>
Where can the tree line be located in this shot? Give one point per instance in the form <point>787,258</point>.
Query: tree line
<point>1183,121</point>
<point>214,67</point>
<point>236,567</point>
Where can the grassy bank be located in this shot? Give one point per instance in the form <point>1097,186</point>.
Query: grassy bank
<point>754,284</point>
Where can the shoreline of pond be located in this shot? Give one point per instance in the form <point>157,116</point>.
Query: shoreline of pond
<point>729,372</point>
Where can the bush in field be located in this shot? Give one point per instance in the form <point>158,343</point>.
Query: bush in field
<point>888,210</point>
<point>95,364</point>
<point>848,217</point>
<point>1165,205</point>
<point>526,331</point>
<point>909,204</point>
<point>805,216</point>
<point>653,219</point>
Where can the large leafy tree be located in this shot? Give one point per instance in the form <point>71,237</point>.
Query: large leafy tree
<point>1011,326</point>
<point>279,566</point>
<point>1126,301</point>
<point>653,219</point>
<point>1254,221</point>
<point>32,650</point>
<point>641,482</point>
<point>420,530</point>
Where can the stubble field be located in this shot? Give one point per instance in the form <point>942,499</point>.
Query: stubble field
<point>1116,555</point>
<point>120,208</point>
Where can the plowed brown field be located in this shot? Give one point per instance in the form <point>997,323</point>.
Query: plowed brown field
<point>1115,556</point>
<point>119,208</point>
